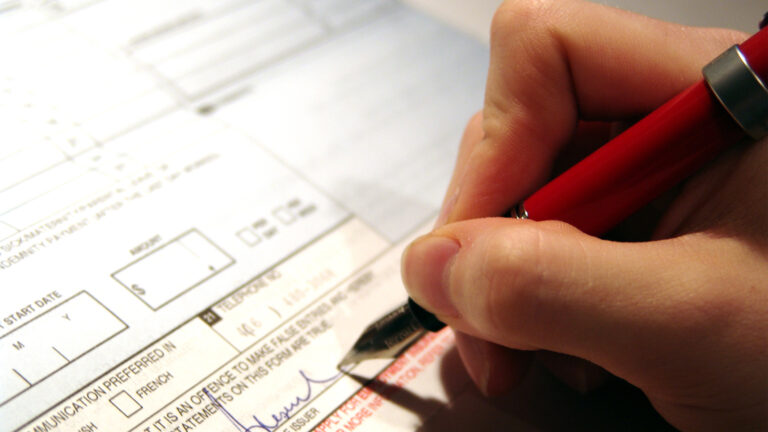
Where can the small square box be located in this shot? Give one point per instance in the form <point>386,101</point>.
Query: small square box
<point>125,403</point>
<point>248,237</point>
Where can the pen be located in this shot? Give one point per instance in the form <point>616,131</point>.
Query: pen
<point>729,104</point>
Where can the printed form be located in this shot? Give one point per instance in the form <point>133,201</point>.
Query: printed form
<point>203,203</point>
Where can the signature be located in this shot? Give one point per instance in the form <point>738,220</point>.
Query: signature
<point>282,415</point>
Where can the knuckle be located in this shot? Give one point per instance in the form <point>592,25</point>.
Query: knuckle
<point>528,72</point>
<point>513,271</point>
<point>476,121</point>
<point>474,125</point>
<point>516,17</point>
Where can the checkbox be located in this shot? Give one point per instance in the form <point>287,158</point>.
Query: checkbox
<point>125,403</point>
<point>283,215</point>
<point>248,237</point>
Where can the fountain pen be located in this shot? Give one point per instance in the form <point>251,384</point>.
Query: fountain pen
<point>728,105</point>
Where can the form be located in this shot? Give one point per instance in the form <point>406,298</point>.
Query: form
<point>203,203</point>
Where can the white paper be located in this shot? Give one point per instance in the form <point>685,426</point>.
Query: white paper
<point>212,196</point>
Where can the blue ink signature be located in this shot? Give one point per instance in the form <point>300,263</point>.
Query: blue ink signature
<point>281,416</point>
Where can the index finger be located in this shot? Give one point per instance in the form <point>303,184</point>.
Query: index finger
<point>554,62</point>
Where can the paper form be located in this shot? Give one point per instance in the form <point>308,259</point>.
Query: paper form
<point>202,204</point>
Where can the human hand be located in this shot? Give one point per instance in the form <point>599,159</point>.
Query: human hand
<point>684,316</point>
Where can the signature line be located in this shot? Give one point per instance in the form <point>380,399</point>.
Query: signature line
<point>283,415</point>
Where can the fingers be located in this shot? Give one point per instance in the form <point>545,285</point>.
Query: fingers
<point>492,367</point>
<point>733,191</point>
<point>473,134</point>
<point>546,286</point>
<point>578,374</point>
<point>553,62</point>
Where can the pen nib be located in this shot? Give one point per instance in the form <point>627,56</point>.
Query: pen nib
<point>385,338</point>
<point>352,358</point>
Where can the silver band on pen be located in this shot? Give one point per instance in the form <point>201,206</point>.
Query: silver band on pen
<point>740,90</point>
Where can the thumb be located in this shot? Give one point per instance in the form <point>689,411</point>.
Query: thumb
<point>545,285</point>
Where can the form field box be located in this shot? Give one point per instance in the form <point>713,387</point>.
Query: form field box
<point>284,215</point>
<point>52,340</point>
<point>248,236</point>
<point>125,403</point>
<point>173,269</point>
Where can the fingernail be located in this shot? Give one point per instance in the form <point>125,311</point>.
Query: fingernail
<point>472,352</point>
<point>425,268</point>
<point>445,211</point>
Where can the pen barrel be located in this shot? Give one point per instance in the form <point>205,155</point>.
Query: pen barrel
<point>635,167</point>
<point>666,146</point>
<point>756,54</point>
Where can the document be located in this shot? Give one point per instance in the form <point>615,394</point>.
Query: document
<point>203,203</point>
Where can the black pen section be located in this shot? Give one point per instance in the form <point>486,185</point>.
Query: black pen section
<point>392,334</point>
<point>427,320</point>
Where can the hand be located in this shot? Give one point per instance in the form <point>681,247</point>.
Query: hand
<point>683,316</point>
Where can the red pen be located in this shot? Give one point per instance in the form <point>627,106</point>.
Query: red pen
<point>727,106</point>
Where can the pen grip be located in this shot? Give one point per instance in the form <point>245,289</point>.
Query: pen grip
<point>639,164</point>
